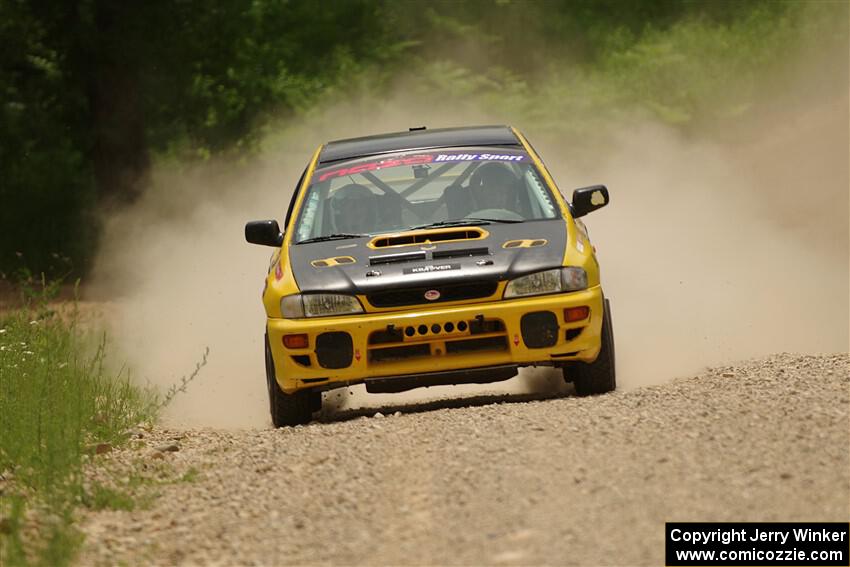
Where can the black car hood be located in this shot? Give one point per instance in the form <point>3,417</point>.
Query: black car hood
<point>476,260</point>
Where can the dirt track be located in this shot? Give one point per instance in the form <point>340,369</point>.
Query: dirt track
<point>561,481</point>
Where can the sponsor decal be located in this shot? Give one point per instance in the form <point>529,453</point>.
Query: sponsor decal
<point>375,165</point>
<point>479,157</point>
<point>278,271</point>
<point>309,213</point>
<point>432,295</point>
<point>420,159</point>
<point>357,354</point>
<point>582,236</point>
<point>431,268</point>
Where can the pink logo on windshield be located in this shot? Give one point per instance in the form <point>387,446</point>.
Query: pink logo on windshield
<point>375,165</point>
<point>432,295</point>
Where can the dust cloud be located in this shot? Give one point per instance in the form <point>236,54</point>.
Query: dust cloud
<point>711,252</point>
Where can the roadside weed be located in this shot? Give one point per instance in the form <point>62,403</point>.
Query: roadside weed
<point>58,400</point>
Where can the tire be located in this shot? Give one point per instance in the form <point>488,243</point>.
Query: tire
<point>288,409</point>
<point>599,376</point>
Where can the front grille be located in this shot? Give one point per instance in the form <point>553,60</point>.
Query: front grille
<point>475,345</point>
<point>448,292</point>
<point>390,354</point>
<point>390,335</point>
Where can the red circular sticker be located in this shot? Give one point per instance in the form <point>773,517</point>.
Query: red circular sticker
<point>432,295</point>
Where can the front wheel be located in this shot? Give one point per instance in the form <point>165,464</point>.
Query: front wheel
<point>288,409</point>
<point>599,376</point>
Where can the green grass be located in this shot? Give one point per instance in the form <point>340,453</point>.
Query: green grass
<point>100,497</point>
<point>191,475</point>
<point>57,400</point>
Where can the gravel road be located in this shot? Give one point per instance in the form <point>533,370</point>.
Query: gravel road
<point>560,481</point>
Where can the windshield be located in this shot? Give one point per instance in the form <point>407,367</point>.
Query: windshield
<point>416,189</point>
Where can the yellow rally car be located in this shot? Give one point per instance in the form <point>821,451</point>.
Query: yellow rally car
<point>430,257</point>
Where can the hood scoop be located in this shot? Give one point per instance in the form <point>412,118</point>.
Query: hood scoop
<point>429,237</point>
<point>460,253</point>
<point>396,258</point>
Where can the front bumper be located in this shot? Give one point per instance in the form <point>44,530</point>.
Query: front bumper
<point>521,332</point>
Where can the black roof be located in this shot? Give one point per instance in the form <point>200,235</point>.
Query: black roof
<point>418,140</point>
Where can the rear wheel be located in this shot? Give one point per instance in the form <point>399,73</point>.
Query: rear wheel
<point>288,409</point>
<point>599,376</point>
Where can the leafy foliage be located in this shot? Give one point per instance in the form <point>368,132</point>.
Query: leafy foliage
<point>94,90</point>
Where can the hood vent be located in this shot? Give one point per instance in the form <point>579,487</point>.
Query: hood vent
<point>431,236</point>
<point>336,261</point>
<point>396,258</point>
<point>460,253</point>
<point>525,243</point>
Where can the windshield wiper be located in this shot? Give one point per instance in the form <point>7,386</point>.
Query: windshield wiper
<point>509,221</point>
<point>335,236</point>
<point>456,222</point>
<point>467,221</point>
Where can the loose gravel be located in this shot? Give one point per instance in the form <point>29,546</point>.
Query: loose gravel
<point>579,481</point>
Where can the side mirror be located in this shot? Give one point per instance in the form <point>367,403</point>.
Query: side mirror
<point>588,199</point>
<point>265,232</point>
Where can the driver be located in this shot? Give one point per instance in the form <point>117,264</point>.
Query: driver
<point>353,209</point>
<point>494,186</point>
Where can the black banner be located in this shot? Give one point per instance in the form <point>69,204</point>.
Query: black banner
<point>743,544</point>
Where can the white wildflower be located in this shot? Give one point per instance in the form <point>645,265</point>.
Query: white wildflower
<point>62,365</point>
<point>33,322</point>
<point>2,331</point>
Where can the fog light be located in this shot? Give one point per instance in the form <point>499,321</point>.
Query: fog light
<point>572,314</point>
<point>295,341</point>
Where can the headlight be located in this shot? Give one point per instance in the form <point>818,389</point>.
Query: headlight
<point>550,281</point>
<point>300,305</point>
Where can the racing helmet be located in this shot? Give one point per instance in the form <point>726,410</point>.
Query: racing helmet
<point>353,209</point>
<point>494,186</point>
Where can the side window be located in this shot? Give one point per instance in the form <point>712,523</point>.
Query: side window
<point>312,212</point>
<point>292,201</point>
<point>541,202</point>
